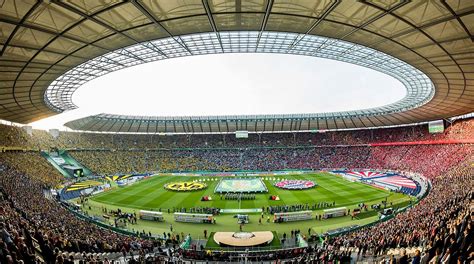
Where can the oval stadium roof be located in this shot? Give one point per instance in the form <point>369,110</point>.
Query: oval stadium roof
<point>62,45</point>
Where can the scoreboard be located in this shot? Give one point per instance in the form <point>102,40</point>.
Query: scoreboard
<point>436,126</point>
<point>242,134</point>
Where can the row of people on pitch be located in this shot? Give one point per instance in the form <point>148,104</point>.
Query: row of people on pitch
<point>296,207</point>
<point>239,196</point>
<point>201,210</point>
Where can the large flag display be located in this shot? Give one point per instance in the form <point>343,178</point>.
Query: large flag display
<point>241,185</point>
<point>365,174</point>
<point>399,181</point>
<point>378,178</point>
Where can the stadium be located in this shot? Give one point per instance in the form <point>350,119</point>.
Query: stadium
<point>389,183</point>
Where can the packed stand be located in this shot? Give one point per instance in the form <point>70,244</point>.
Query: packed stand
<point>31,218</point>
<point>442,223</point>
<point>429,160</point>
<point>33,165</point>
<point>18,137</point>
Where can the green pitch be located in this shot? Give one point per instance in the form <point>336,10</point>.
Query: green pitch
<point>150,194</point>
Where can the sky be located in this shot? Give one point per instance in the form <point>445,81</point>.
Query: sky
<point>232,84</point>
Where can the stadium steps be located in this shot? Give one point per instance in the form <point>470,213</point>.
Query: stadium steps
<point>69,159</point>
<point>68,195</point>
<point>54,164</point>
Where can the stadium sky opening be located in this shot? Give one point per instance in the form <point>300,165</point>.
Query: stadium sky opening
<point>232,84</point>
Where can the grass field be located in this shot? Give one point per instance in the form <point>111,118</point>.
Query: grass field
<point>150,194</point>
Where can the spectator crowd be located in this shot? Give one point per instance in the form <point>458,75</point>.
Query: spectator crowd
<point>429,160</point>
<point>441,224</point>
<point>40,139</point>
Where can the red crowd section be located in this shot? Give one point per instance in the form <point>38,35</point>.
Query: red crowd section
<point>426,142</point>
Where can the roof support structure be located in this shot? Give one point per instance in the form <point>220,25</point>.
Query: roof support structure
<point>148,14</point>
<point>315,24</point>
<point>18,26</point>
<point>45,55</point>
<point>268,10</point>
<point>205,3</point>
<point>458,18</point>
